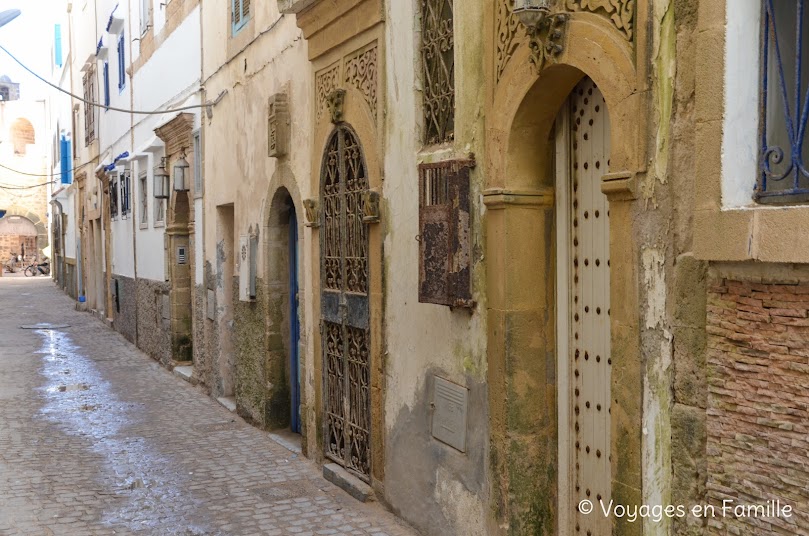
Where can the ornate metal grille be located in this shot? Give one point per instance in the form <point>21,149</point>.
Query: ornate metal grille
<point>345,308</point>
<point>783,176</point>
<point>438,64</point>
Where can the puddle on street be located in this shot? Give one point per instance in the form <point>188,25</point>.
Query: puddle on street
<point>148,485</point>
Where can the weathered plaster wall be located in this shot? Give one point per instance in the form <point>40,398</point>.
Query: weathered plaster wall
<point>433,486</point>
<point>266,57</point>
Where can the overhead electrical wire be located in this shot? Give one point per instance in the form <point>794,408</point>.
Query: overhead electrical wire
<point>104,106</point>
<point>29,187</point>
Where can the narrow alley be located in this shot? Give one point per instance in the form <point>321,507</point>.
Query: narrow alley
<point>97,438</point>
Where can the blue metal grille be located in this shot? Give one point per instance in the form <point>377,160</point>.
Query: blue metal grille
<point>783,176</point>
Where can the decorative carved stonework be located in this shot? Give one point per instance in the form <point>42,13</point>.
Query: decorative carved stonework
<point>361,72</point>
<point>620,12</point>
<point>508,32</point>
<point>547,41</point>
<point>326,81</point>
<point>311,210</point>
<point>278,125</point>
<point>370,207</point>
<point>176,134</point>
<point>335,101</point>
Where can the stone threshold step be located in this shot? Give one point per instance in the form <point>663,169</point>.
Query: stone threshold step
<point>228,402</point>
<point>185,372</point>
<point>348,482</point>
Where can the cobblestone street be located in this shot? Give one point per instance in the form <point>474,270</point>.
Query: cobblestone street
<point>96,438</point>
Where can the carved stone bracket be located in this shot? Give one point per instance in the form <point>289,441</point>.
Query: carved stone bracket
<point>312,213</point>
<point>370,207</point>
<point>336,99</point>
<point>278,126</point>
<point>620,186</point>
<point>547,41</point>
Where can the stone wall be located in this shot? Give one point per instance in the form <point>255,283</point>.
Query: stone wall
<point>154,334</point>
<point>11,244</point>
<point>758,403</point>
<point>124,306</point>
<point>250,348</point>
<point>201,355</point>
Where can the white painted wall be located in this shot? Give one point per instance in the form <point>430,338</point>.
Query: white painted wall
<point>149,241</point>
<point>740,143</point>
<point>69,207</point>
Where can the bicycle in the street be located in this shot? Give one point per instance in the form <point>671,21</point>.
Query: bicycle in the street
<point>38,268</point>
<point>14,264</point>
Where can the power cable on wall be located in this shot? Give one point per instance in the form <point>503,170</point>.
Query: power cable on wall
<point>104,106</point>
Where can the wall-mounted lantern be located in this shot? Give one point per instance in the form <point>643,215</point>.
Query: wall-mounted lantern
<point>181,174</point>
<point>161,181</point>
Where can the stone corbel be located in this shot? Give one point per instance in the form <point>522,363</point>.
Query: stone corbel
<point>499,198</point>
<point>312,213</point>
<point>278,132</point>
<point>547,41</point>
<point>620,186</point>
<point>335,100</point>
<point>370,207</point>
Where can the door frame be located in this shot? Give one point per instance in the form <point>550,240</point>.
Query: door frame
<point>563,307</point>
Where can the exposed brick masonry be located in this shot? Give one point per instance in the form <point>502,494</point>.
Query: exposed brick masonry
<point>758,403</point>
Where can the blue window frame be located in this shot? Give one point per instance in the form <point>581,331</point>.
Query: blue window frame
<point>240,14</point>
<point>783,175</point>
<point>57,44</point>
<point>106,84</point>
<point>64,160</point>
<point>121,63</point>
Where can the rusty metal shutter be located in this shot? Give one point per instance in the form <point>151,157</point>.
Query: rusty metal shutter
<point>444,226</point>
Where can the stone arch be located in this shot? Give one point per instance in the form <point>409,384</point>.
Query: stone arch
<point>22,135</point>
<point>522,302</point>
<point>282,207</point>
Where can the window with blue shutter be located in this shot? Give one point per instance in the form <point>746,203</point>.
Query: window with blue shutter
<point>106,84</point>
<point>57,44</point>
<point>64,160</point>
<point>121,63</point>
<point>240,12</point>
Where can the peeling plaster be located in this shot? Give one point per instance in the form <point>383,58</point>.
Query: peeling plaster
<point>656,393</point>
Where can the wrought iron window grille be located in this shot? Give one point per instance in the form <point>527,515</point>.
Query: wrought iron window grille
<point>783,176</point>
<point>438,70</point>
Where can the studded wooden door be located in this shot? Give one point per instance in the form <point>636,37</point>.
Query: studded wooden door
<point>345,313</point>
<point>588,309</point>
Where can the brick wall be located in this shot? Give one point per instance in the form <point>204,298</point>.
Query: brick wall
<point>11,244</point>
<point>758,403</point>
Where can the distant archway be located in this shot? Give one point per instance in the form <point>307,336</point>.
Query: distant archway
<point>22,135</point>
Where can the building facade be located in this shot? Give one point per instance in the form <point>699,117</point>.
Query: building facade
<point>484,262</point>
<point>24,186</point>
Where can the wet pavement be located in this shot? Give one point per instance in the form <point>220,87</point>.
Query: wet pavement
<point>96,438</point>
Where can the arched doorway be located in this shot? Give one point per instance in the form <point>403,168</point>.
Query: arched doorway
<point>345,310</point>
<point>18,235</point>
<point>283,323</point>
<point>583,308</point>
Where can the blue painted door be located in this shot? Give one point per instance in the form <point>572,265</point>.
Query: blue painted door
<point>294,324</point>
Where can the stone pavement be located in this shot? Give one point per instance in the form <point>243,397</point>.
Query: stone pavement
<point>96,438</point>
